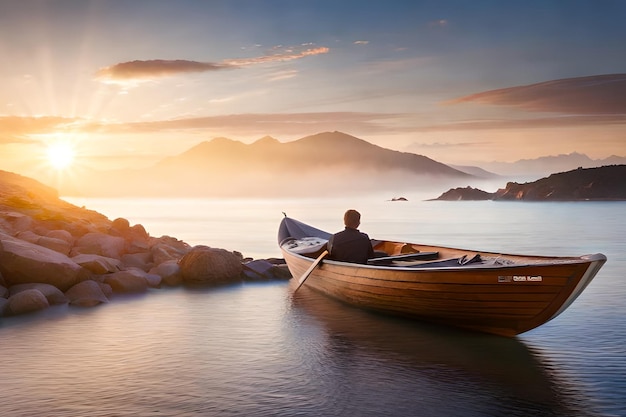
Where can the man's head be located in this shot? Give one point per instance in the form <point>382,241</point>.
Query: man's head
<point>352,219</point>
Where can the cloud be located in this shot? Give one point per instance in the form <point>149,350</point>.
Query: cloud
<point>361,42</point>
<point>134,71</point>
<point>15,129</point>
<point>288,55</point>
<point>156,68</point>
<point>592,95</point>
<point>438,23</point>
<point>261,123</point>
<point>526,123</point>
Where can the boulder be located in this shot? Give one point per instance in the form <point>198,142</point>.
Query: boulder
<point>58,245</point>
<point>22,262</point>
<point>61,234</point>
<point>262,269</point>
<point>205,265</point>
<point>98,264</point>
<point>28,236</point>
<point>86,294</point>
<point>136,237</point>
<point>142,260</point>
<point>169,271</point>
<point>4,292</point>
<point>18,222</point>
<point>52,293</point>
<point>131,281</point>
<point>3,303</point>
<point>120,226</point>
<point>167,248</point>
<point>26,301</point>
<point>98,243</point>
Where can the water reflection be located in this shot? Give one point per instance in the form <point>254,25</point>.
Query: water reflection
<point>382,363</point>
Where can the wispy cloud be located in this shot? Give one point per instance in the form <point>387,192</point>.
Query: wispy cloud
<point>526,123</point>
<point>361,42</point>
<point>438,23</point>
<point>137,70</point>
<point>592,95</point>
<point>18,129</point>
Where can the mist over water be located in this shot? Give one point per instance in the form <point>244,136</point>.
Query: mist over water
<point>258,349</point>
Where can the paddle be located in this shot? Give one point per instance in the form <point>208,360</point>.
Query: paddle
<point>311,268</point>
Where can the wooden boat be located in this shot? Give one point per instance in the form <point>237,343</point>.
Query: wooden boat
<point>496,293</point>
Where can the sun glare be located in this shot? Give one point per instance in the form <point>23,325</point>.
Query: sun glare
<point>61,155</point>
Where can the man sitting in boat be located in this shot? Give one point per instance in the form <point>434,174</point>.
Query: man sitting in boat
<point>350,245</point>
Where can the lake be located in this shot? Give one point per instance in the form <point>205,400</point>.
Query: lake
<point>261,350</point>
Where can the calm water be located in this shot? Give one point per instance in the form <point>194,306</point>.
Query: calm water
<point>258,349</point>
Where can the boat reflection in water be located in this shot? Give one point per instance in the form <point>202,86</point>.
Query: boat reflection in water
<point>402,367</point>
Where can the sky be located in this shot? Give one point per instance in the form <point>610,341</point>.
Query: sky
<point>116,84</point>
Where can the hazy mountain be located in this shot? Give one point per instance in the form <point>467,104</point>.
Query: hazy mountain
<point>476,171</point>
<point>540,167</point>
<point>321,164</point>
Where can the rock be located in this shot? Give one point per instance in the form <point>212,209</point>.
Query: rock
<point>465,194</point>
<point>205,265</point>
<point>98,264</point>
<point>141,260</point>
<point>3,303</point>
<point>28,236</point>
<point>168,248</point>
<point>61,234</point>
<point>18,222</point>
<point>127,281</point>
<point>86,294</point>
<point>57,245</point>
<point>257,270</point>
<point>26,301</point>
<point>169,271</point>
<point>97,243</point>
<point>136,237</point>
<point>4,292</point>
<point>120,226</point>
<point>52,293</point>
<point>22,262</point>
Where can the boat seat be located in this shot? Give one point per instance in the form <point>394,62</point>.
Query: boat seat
<point>419,256</point>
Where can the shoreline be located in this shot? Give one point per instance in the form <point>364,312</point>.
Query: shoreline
<point>53,253</point>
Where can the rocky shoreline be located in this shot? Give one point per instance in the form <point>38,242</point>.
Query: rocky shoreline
<point>607,183</point>
<point>52,252</point>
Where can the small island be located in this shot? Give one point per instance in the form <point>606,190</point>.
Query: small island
<point>607,183</point>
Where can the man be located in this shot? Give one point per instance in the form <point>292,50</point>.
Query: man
<point>350,245</point>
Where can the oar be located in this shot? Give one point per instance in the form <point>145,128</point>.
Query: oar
<point>311,268</point>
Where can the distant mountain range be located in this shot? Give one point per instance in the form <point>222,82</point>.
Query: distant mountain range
<point>327,163</point>
<point>546,165</point>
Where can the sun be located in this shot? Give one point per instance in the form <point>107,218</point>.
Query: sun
<point>61,155</point>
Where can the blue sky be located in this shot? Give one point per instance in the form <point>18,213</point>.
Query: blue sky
<point>130,82</point>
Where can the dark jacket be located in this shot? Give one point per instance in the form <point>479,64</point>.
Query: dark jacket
<point>350,245</point>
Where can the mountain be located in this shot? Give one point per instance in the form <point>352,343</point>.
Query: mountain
<point>322,164</point>
<point>604,183</point>
<point>476,171</point>
<point>546,165</point>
